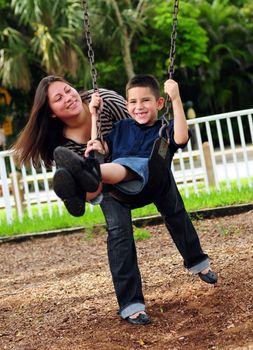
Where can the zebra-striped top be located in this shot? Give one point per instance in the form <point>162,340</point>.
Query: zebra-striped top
<point>114,109</point>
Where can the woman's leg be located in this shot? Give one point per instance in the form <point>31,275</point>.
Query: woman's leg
<point>122,257</point>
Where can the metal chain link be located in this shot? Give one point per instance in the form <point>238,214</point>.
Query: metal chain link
<point>168,104</point>
<point>91,57</point>
<point>173,40</point>
<point>89,44</point>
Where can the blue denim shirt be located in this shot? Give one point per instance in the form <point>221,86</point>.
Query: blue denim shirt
<point>130,139</point>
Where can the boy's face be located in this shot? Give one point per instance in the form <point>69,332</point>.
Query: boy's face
<point>143,106</point>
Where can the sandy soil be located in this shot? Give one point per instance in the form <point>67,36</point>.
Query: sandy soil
<point>56,293</point>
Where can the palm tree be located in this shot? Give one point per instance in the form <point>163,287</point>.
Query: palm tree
<point>116,24</point>
<point>14,65</point>
<point>47,35</point>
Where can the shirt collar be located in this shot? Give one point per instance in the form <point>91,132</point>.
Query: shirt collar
<point>143,126</point>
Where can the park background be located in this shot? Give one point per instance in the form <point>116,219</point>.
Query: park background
<point>56,293</point>
<point>213,63</point>
<point>213,66</point>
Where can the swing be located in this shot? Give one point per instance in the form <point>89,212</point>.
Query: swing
<point>160,155</point>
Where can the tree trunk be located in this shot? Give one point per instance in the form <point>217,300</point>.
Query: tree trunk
<point>126,42</point>
<point>127,58</point>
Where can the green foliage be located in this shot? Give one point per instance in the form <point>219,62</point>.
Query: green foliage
<point>151,52</point>
<point>191,38</point>
<point>4,4</point>
<point>16,54</point>
<point>41,33</point>
<point>113,68</point>
<point>213,53</point>
<point>226,72</point>
<point>246,9</point>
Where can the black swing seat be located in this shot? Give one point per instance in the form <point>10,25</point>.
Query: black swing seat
<point>158,166</point>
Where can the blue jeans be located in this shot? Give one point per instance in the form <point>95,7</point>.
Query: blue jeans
<point>121,246</point>
<point>122,256</point>
<point>171,206</point>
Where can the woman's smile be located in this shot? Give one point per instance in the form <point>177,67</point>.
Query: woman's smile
<point>73,104</point>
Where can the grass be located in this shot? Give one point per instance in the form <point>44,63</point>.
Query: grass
<point>194,202</point>
<point>220,199</point>
<point>140,234</point>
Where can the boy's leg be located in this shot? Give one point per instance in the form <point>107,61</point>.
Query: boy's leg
<point>113,173</point>
<point>122,257</point>
<point>171,206</point>
<point>86,172</point>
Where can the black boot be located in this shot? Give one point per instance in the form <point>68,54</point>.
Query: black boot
<point>86,171</point>
<point>66,188</point>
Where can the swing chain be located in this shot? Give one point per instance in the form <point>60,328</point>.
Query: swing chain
<point>173,40</point>
<point>89,44</point>
<point>91,57</point>
<point>168,104</point>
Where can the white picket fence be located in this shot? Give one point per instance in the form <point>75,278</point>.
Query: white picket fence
<point>198,167</point>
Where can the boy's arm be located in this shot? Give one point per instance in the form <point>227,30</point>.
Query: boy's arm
<point>181,134</point>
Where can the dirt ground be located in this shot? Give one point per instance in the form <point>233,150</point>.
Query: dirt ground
<point>56,293</point>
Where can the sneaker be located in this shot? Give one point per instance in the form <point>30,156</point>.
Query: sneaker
<point>86,172</point>
<point>209,277</point>
<point>140,320</point>
<point>65,187</point>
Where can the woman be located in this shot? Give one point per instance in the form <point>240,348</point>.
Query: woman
<point>60,116</point>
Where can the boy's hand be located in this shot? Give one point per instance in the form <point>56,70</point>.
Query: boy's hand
<point>94,145</point>
<point>181,134</point>
<point>96,104</point>
<point>171,88</point>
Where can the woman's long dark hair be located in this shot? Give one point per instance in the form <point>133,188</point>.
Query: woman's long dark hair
<point>42,133</point>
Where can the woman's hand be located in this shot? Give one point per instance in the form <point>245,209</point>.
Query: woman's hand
<point>94,145</point>
<point>96,104</point>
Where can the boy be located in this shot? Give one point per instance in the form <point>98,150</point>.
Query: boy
<point>130,144</point>
<point>129,157</point>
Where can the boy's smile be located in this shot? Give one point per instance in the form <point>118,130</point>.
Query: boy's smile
<point>143,105</point>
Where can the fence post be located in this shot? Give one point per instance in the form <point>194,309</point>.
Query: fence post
<point>208,162</point>
<point>20,196</point>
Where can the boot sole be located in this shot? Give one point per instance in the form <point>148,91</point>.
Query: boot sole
<point>86,179</point>
<point>65,187</point>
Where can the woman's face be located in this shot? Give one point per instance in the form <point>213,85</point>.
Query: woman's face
<point>64,101</point>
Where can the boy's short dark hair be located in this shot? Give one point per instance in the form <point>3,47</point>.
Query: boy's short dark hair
<point>144,80</point>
